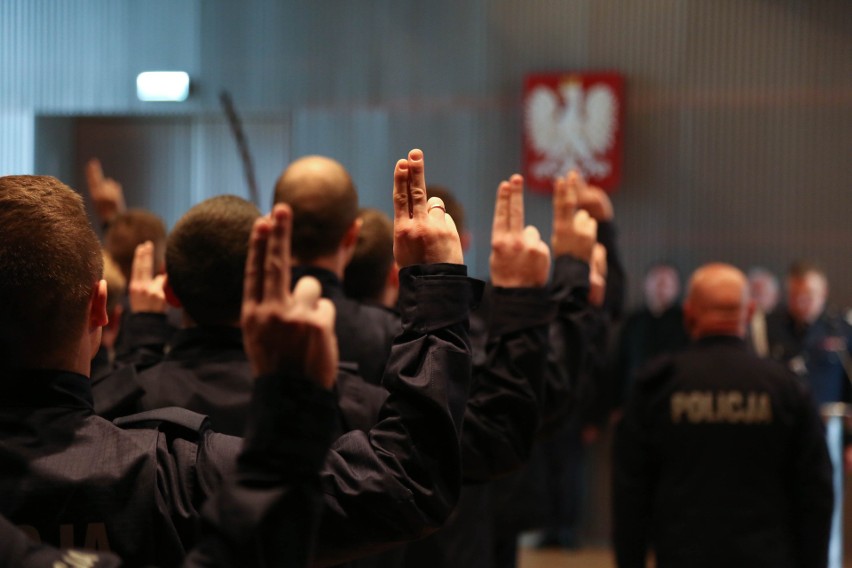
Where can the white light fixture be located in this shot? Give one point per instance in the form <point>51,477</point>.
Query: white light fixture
<point>162,86</point>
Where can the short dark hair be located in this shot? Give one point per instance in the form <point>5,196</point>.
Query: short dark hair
<point>451,204</point>
<point>129,230</point>
<point>50,263</point>
<point>365,275</point>
<point>324,203</point>
<point>801,268</point>
<point>206,257</point>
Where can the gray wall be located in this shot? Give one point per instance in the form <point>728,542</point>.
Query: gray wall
<point>739,117</point>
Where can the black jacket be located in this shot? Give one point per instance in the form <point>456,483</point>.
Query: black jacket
<point>365,333</point>
<point>142,487</point>
<point>720,460</point>
<point>265,515</point>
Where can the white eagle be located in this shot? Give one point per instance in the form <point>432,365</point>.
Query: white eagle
<point>573,135</point>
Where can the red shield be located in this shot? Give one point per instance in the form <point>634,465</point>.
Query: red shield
<point>573,121</point>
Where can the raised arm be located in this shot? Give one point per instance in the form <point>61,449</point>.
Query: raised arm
<point>502,414</point>
<point>402,479</point>
<point>106,194</point>
<point>573,243</point>
<point>268,514</point>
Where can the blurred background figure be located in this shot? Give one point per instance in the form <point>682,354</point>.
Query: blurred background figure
<point>372,276</point>
<point>763,287</point>
<point>655,329</point>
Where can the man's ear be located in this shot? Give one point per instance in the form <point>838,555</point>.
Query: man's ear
<point>392,279</point>
<point>171,298</point>
<point>97,310</point>
<point>350,237</point>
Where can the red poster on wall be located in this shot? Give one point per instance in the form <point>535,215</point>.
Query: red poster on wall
<point>573,121</point>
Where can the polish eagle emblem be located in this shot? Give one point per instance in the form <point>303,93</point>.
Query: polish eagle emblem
<point>571,127</point>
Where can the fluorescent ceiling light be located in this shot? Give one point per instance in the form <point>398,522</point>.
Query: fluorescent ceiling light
<point>162,86</point>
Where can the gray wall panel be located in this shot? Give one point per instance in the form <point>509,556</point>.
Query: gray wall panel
<point>739,112</point>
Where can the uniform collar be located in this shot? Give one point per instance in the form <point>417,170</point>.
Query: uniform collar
<point>45,388</point>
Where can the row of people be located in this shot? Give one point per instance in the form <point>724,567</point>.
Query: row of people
<point>538,348</point>
<point>393,480</point>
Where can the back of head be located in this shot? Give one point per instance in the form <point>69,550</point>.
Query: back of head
<point>366,274</point>
<point>129,230</point>
<point>452,205</point>
<point>324,203</point>
<point>717,301</point>
<point>206,257</point>
<point>50,262</point>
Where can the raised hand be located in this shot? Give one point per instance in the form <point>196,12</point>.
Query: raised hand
<point>519,258</point>
<point>284,331</point>
<point>423,232</point>
<point>146,289</point>
<point>574,232</point>
<point>594,200</point>
<point>106,193</point>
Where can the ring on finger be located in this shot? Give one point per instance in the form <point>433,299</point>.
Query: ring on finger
<point>441,207</point>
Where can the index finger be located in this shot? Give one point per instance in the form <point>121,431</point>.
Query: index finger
<point>564,200</point>
<point>276,265</point>
<point>94,173</point>
<point>253,279</point>
<point>516,203</point>
<point>143,262</point>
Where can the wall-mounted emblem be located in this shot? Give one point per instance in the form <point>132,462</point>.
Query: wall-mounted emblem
<point>573,121</point>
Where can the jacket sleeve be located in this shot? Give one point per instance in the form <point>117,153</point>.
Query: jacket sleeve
<point>501,418</point>
<point>268,513</point>
<point>616,276</point>
<point>567,366</point>
<point>401,480</point>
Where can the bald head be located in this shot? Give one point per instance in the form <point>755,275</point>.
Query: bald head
<point>717,302</point>
<point>324,203</point>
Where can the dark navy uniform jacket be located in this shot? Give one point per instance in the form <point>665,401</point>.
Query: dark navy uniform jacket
<point>819,353</point>
<point>206,370</point>
<point>397,483</point>
<point>720,460</point>
<point>265,515</point>
<point>538,338</point>
<point>364,332</point>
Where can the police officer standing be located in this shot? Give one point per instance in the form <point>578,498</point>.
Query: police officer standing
<point>807,339</point>
<point>720,459</point>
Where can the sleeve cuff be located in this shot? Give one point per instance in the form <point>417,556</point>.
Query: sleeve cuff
<point>434,296</point>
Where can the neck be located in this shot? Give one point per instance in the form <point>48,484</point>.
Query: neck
<point>335,263</point>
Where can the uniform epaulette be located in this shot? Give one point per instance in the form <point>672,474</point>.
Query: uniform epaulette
<point>173,420</point>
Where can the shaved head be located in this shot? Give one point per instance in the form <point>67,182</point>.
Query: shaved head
<point>717,301</point>
<point>324,202</point>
